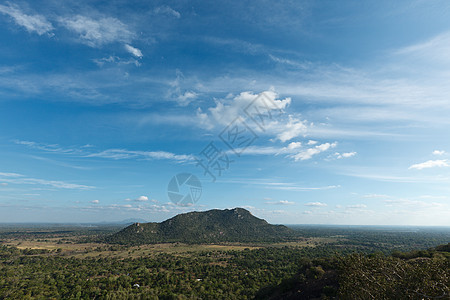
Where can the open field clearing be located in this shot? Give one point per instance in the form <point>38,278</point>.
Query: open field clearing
<point>70,247</point>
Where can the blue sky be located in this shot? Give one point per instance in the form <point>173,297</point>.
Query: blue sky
<point>103,102</point>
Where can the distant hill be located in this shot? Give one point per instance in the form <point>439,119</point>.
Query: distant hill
<point>132,221</point>
<point>229,225</point>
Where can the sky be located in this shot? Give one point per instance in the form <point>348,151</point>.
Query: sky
<point>302,112</point>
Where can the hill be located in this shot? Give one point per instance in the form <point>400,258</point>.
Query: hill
<point>213,226</point>
<point>131,221</point>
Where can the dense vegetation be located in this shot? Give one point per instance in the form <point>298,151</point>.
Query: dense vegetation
<point>329,263</point>
<point>411,275</point>
<point>266,273</point>
<point>214,274</point>
<point>229,225</point>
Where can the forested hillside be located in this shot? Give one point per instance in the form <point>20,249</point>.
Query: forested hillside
<point>229,225</point>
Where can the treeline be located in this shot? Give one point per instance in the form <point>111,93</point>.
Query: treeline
<point>384,239</point>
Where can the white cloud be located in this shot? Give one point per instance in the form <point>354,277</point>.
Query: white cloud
<point>116,60</point>
<point>228,109</point>
<point>167,10</point>
<point>431,164</point>
<point>127,154</point>
<point>142,198</point>
<point>288,187</point>
<point>98,32</point>
<point>32,23</point>
<point>311,142</point>
<point>95,201</point>
<point>294,145</point>
<point>135,51</point>
<point>309,153</point>
<point>438,152</point>
<point>289,62</point>
<point>269,150</point>
<point>187,97</point>
<point>375,196</point>
<point>258,150</point>
<point>344,155</point>
<point>292,129</point>
<point>357,206</point>
<point>292,150</point>
<point>263,113</point>
<point>10,175</point>
<point>3,184</point>
<point>179,94</point>
<point>316,204</point>
<point>281,202</point>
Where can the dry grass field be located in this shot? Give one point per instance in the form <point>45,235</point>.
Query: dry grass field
<point>70,246</point>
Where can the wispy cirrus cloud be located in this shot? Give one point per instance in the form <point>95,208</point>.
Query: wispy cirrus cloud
<point>112,59</point>
<point>279,185</point>
<point>167,10</point>
<point>292,147</point>
<point>116,154</point>
<point>2,174</point>
<point>357,206</point>
<point>402,202</point>
<point>99,31</point>
<point>431,164</point>
<point>32,23</point>
<point>49,147</point>
<point>14,178</point>
<point>375,196</point>
<point>310,152</point>
<point>128,154</point>
<point>316,204</point>
<point>297,188</point>
<point>434,49</point>
<point>178,92</point>
<point>396,178</point>
<point>280,202</point>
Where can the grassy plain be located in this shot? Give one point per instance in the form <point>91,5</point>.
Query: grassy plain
<point>71,246</point>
